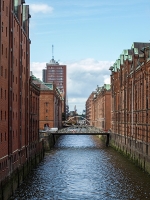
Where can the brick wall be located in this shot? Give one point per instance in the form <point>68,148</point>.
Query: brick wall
<point>14,85</point>
<point>33,136</point>
<point>130,84</point>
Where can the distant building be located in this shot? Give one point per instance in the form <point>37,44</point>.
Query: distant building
<point>89,108</point>
<point>67,111</point>
<point>57,74</point>
<point>98,108</point>
<point>33,136</point>
<point>50,104</point>
<point>72,113</point>
<point>102,107</point>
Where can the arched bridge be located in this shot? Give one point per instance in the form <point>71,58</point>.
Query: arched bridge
<point>77,120</point>
<point>82,130</point>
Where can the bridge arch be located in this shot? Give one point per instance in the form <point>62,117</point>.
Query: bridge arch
<point>78,117</point>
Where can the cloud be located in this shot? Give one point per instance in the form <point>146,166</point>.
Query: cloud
<point>40,8</point>
<point>37,68</point>
<point>83,76</point>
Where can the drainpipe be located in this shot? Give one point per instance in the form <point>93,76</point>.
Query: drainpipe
<point>132,109</point>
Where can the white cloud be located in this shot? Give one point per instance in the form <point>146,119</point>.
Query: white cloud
<point>78,102</point>
<point>37,68</point>
<point>82,78</point>
<point>106,79</point>
<point>40,8</point>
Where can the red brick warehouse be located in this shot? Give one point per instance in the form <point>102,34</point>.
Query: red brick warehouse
<point>130,85</point>
<point>50,104</point>
<point>14,88</point>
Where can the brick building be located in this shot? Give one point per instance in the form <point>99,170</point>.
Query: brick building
<point>130,85</point>
<point>89,109</point>
<point>17,141</point>
<point>50,104</point>
<point>102,107</point>
<point>14,83</point>
<point>57,74</point>
<point>33,137</point>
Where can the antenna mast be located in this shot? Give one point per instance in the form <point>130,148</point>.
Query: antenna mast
<point>52,52</point>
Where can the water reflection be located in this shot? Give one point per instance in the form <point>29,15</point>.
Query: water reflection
<point>81,167</point>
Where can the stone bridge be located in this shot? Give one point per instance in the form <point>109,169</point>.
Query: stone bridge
<point>82,130</point>
<point>50,136</point>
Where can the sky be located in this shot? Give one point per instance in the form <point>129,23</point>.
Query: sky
<point>88,36</point>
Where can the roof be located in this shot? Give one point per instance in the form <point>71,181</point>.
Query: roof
<point>107,86</point>
<point>46,86</point>
<point>41,84</point>
<point>127,54</point>
<point>52,62</point>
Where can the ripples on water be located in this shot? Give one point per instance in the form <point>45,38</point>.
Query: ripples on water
<point>82,168</point>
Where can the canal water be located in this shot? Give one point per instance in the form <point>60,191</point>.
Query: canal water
<point>82,168</point>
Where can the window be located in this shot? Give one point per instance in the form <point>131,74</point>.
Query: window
<point>3,6</point>
<point>1,93</point>
<point>2,26</point>
<point>6,11</point>
<point>2,49</point>
<point>5,73</point>
<point>6,52</point>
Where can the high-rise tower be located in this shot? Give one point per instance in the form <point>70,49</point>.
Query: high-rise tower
<point>56,74</point>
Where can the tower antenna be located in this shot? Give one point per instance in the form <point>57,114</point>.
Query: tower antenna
<point>52,52</point>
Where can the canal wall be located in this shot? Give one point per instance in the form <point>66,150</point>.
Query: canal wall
<point>137,151</point>
<point>13,181</point>
<point>49,141</point>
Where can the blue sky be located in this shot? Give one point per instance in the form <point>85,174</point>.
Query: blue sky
<point>88,36</point>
